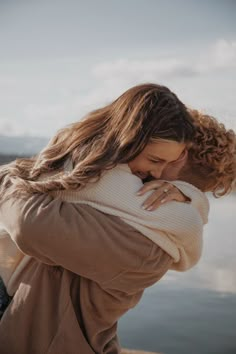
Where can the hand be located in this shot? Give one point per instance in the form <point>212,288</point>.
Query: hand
<point>163,192</point>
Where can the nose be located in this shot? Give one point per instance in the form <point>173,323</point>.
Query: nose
<point>157,172</point>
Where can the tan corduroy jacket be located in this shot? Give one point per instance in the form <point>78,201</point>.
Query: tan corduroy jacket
<point>176,227</point>
<point>88,269</point>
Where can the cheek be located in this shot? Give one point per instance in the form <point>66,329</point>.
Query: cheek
<point>143,166</point>
<point>136,165</point>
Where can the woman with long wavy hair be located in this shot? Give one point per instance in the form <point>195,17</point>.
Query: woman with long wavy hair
<point>114,134</point>
<point>79,266</point>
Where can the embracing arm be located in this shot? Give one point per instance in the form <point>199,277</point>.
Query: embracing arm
<point>182,222</point>
<point>76,237</point>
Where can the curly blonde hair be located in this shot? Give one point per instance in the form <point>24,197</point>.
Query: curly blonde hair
<point>211,164</point>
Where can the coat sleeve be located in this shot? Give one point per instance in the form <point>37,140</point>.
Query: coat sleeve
<point>76,237</point>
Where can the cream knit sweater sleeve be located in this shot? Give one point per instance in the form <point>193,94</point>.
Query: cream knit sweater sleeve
<point>176,227</point>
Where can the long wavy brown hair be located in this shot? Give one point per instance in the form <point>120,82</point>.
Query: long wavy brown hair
<point>113,134</point>
<point>211,164</point>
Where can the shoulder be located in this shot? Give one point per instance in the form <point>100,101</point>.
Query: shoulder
<point>199,200</point>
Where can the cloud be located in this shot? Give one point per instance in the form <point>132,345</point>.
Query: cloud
<point>143,69</point>
<point>38,98</point>
<point>219,55</point>
<point>223,54</point>
<point>11,127</point>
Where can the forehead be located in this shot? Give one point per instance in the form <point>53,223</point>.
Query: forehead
<point>165,150</point>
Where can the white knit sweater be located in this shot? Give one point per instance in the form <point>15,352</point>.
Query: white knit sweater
<point>176,227</point>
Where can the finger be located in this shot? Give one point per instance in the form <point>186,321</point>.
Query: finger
<point>166,198</point>
<point>179,195</point>
<point>148,186</point>
<point>155,196</point>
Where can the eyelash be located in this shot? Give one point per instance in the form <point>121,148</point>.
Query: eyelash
<point>154,161</point>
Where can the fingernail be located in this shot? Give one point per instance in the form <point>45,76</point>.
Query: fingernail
<point>149,209</point>
<point>138,193</point>
<point>163,200</point>
<point>144,207</point>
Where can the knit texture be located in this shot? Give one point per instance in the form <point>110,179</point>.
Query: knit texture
<point>175,227</point>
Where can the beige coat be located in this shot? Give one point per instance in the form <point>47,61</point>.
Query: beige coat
<point>94,269</point>
<point>176,227</point>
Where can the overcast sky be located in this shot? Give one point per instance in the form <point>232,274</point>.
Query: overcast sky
<point>61,58</point>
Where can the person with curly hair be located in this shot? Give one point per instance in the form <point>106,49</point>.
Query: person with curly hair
<point>88,255</point>
<point>211,162</point>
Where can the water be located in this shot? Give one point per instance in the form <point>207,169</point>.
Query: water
<point>192,312</point>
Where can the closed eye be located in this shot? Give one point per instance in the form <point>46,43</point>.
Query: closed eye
<point>154,161</point>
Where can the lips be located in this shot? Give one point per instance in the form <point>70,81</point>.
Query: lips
<point>141,175</point>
